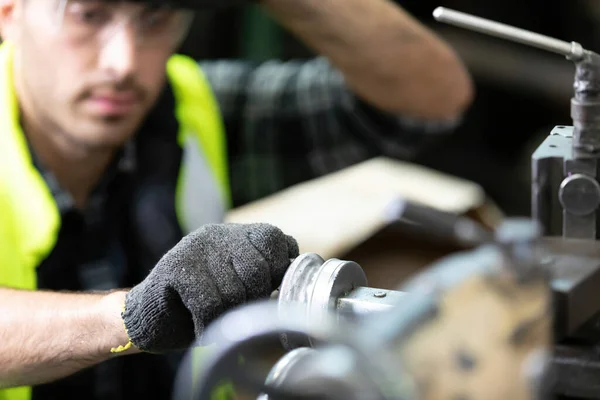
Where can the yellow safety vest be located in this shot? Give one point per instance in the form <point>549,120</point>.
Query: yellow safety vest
<point>29,218</point>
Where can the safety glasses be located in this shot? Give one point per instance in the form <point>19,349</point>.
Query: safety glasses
<point>94,22</point>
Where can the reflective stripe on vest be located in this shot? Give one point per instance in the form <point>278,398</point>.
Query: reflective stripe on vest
<point>200,197</point>
<point>30,220</point>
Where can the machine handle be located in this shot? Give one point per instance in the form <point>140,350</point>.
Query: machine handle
<point>441,224</point>
<point>573,50</point>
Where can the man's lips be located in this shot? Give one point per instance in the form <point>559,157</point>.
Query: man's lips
<point>113,104</point>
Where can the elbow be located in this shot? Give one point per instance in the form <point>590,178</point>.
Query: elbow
<point>450,88</point>
<point>451,105</point>
<point>458,91</point>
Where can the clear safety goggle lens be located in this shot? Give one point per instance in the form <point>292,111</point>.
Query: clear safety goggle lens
<point>95,21</point>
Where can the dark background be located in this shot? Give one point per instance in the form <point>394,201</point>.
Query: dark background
<point>521,93</point>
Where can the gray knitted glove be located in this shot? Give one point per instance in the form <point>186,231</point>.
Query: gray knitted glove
<point>208,272</point>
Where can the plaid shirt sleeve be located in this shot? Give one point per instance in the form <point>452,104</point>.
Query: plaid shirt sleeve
<point>288,122</point>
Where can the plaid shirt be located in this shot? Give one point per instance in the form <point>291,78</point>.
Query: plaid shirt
<point>288,122</point>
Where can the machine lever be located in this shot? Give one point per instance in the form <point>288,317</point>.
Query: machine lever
<point>441,224</point>
<point>572,51</point>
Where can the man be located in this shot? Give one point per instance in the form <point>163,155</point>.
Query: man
<point>113,148</point>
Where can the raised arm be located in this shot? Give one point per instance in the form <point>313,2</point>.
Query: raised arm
<point>383,85</point>
<point>45,336</point>
<point>386,56</point>
<point>288,122</point>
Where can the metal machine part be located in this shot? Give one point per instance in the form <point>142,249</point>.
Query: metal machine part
<point>333,372</point>
<point>252,330</point>
<point>572,51</point>
<point>565,200</point>
<point>387,334</point>
<point>406,335</point>
<point>417,348</point>
<point>575,372</point>
<point>287,366</point>
<point>443,225</point>
<point>573,265</point>
<point>575,269</point>
<point>364,301</point>
<point>322,286</point>
<point>341,286</point>
<point>565,189</point>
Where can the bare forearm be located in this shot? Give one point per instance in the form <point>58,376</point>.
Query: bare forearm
<point>45,336</point>
<point>386,56</point>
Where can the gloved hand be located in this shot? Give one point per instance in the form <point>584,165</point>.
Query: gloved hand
<point>208,272</point>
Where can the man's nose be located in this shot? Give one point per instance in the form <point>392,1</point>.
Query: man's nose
<point>118,54</point>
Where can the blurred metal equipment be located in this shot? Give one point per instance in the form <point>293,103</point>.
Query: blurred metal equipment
<point>416,347</point>
<point>565,188</point>
<point>507,300</point>
<point>322,286</point>
<point>445,226</point>
<point>341,286</point>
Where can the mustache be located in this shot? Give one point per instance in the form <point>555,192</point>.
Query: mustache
<point>111,85</point>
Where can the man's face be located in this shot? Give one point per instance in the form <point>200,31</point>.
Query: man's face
<point>90,69</point>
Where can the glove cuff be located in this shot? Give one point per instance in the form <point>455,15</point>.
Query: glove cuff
<point>129,343</point>
<point>155,319</point>
<point>122,348</point>
<point>140,315</point>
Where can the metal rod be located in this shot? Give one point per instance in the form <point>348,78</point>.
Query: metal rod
<point>365,300</point>
<point>441,224</point>
<point>573,51</point>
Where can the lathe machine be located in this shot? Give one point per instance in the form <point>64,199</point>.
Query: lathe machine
<point>516,315</point>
